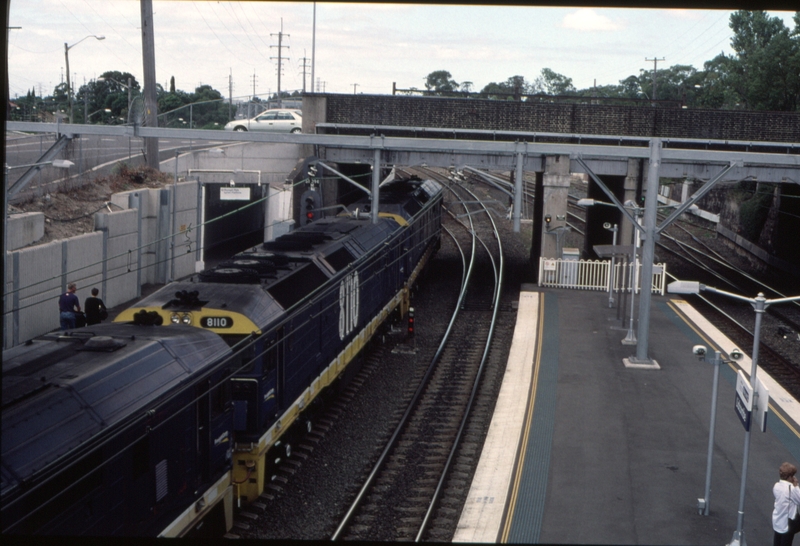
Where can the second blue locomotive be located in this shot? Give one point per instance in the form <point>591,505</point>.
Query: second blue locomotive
<point>297,311</point>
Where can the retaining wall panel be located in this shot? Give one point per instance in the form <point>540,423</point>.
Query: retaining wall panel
<point>85,262</point>
<point>184,264</point>
<point>40,287</point>
<point>186,196</point>
<point>120,286</point>
<point>122,251</point>
<point>118,222</point>
<point>24,229</point>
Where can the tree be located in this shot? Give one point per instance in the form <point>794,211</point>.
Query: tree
<point>511,89</point>
<point>553,83</point>
<point>440,81</point>
<point>765,71</point>
<point>715,89</point>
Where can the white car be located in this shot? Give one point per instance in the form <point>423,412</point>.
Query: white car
<point>278,120</point>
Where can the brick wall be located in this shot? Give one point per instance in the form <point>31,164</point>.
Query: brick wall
<point>459,113</point>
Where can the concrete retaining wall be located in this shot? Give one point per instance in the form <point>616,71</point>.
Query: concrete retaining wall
<point>24,229</point>
<point>36,276</point>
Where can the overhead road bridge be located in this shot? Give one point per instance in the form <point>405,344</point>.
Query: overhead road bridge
<point>622,167</point>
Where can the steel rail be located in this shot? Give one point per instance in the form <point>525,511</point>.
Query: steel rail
<point>413,403</point>
<point>498,270</point>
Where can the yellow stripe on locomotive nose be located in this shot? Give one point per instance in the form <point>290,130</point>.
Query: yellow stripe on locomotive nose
<point>215,320</point>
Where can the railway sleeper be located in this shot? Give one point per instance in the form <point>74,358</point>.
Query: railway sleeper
<point>248,515</point>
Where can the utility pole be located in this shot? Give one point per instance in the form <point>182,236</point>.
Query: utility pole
<point>354,88</point>
<point>305,65</point>
<point>254,83</point>
<point>150,98</point>
<point>655,66</point>
<point>313,45</point>
<point>230,95</point>
<point>280,58</point>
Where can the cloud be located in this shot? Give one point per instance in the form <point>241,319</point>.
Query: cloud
<point>588,19</point>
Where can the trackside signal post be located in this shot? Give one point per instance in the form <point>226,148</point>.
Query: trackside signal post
<point>310,205</point>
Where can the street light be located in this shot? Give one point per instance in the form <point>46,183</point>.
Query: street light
<point>760,304</point>
<point>129,86</point>
<point>66,56</point>
<point>57,163</point>
<point>106,110</point>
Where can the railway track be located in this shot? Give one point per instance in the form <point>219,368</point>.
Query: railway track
<point>396,503</point>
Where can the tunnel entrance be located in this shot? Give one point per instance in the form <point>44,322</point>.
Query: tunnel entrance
<point>598,215</point>
<point>235,226</point>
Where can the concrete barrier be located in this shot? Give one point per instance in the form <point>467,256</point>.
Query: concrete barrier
<point>24,228</point>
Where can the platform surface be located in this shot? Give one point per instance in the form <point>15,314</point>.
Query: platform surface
<point>612,455</point>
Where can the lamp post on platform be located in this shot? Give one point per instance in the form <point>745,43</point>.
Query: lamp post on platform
<point>630,338</point>
<point>611,276</point>
<point>760,304</point>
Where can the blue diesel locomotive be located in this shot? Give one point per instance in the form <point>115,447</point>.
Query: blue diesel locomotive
<point>302,307</point>
<point>156,424</point>
<point>116,429</point>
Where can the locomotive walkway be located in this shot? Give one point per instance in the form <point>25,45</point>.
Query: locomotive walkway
<point>613,455</point>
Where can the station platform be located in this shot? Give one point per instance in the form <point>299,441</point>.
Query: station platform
<point>583,450</point>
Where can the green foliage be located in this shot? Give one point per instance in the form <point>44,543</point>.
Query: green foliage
<point>511,89</point>
<point>754,211</point>
<point>553,83</point>
<point>440,81</point>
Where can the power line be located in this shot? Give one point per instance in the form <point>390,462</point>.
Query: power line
<point>655,68</point>
<point>280,58</point>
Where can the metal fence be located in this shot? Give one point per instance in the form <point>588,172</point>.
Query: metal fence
<point>596,275</point>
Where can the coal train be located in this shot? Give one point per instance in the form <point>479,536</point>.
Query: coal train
<point>158,423</point>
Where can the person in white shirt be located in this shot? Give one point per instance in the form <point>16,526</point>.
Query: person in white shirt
<point>787,499</point>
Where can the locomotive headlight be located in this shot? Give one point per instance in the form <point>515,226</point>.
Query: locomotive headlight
<point>186,319</point>
<point>175,318</point>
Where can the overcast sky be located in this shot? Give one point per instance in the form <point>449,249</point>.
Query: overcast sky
<point>371,45</point>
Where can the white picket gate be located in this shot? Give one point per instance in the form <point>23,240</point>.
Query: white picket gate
<point>594,275</point>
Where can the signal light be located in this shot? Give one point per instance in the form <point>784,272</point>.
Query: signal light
<point>411,322</point>
<point>310,203</point>
<point>310,209</point>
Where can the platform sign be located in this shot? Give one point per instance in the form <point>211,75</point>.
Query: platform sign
<point>234,194</point>
<point>762,405</point>
<point>744,400</point>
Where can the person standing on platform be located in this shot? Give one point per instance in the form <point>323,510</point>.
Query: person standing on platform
<point>785,520</point>
<point>68,305</point>
<point>95,309</point>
